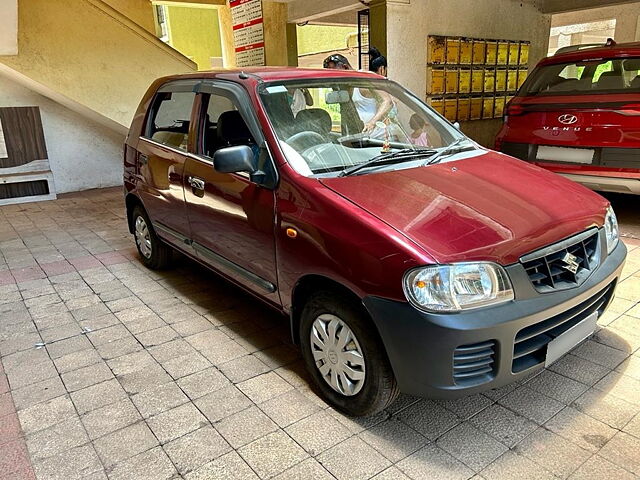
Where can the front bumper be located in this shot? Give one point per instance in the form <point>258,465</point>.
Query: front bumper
<point>423,348</point>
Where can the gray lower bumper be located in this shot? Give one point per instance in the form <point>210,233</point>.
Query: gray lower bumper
<point>424,348</point>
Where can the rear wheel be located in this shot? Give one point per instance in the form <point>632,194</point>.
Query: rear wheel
<point>345,355</point>
<point>154,252</point>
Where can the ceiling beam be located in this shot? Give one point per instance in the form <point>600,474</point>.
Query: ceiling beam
<point>307,11</point>
<point>561,6</point>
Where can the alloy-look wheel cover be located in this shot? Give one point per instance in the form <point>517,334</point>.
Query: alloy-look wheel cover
<point>337,354</point>
<point>143,238</point>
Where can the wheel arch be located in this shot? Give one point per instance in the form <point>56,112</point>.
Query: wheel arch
<point>306,286</point>
<point>131,201</point>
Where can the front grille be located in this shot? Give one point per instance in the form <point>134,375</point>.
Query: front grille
<point>530,347</point>
<point>565,264</point>
<point>474,364</point>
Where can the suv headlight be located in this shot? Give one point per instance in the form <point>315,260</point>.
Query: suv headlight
<point>611,229</point>
<point>461,286</point>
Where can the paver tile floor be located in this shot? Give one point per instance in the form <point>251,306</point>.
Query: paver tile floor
<point>110,370</point>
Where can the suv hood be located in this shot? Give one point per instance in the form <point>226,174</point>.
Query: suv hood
<point>490,207</point>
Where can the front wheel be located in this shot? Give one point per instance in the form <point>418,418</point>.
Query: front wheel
<point>345,355</point>
<point>154,253</point>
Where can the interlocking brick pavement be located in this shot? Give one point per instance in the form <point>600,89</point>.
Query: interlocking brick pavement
<point>110,370</point>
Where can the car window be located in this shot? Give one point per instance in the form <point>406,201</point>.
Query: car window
<point>579,78</point>
<point>223,126</point>
<point>169,119</point>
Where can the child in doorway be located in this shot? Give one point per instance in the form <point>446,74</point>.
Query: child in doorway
<point>418,136</point>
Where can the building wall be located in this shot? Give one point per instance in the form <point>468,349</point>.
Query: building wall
<point>91,54</point>
<point>83,154</point>
<point>627,19</point>
<point>195,32</point>
<point>409,24</point>
<point>139,11</point>
<point>9,29</point>
<point>322,38</point>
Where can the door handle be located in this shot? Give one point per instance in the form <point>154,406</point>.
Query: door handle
<point>196,183</point>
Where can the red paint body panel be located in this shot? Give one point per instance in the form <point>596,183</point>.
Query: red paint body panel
<point>472,212</point>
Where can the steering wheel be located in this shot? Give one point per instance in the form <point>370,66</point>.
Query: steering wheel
<point>305,139</point>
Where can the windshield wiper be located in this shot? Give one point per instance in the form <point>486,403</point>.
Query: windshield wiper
<point>450,150</point>
<point>400,155</point>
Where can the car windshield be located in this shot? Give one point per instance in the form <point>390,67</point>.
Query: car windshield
<point>585,77</point>
<point>329,127</point>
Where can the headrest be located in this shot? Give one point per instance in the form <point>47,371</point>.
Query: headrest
<point>314,119</point>
<point>631,64</point>
<point>610,81</point>
<point>232,128</point>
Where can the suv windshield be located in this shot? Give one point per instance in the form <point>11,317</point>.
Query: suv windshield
<point>327,127</point>
<point>613,75</point>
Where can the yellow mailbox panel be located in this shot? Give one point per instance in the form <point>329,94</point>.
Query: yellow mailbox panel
<point>438,105</point>
<point>437,48</point>
<point>466,51</point>
<point>453,50</point>
<point>489,80</point>
<point>514,53</point>
<point>479,52</point>
<point>464,107</point>
<point>498,110</point>
<point>477,80</point>
<point>435,81</point>
<point>522,76</point>
<point>503,53</point>
<point>512,80</point>
<point>524,53</point>
<point>451,80</point>
<point>501,80</point>
<point>475,112</point>
<point>464,81</point>
<point>487,107</point>
<point>451,109</point>
<point>491,53</point>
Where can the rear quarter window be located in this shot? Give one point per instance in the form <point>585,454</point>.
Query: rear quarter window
<point>586,77</point>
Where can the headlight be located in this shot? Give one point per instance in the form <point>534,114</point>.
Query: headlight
<point>462,286</point>
<point>611,229</point>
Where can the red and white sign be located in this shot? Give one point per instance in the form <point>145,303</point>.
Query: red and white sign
<point>248,32</point>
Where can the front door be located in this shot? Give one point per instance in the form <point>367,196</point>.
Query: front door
<point>162,153</point>
<point>231,217</point>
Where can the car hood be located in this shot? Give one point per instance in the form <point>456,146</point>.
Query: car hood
<point>489,207</point>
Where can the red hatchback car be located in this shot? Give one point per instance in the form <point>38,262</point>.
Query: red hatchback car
<point>406,257</point>
<point>578,114</point>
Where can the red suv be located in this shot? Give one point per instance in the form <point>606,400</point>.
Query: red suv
<point>406,257</point>
<point>578,114</point>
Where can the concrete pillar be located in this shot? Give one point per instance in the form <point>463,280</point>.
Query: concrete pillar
<point>638,29</point>
<point>275,33</point>
<point>292,45</point>
<point>9,27</point>
<point>378,25</point>
<point>226,37</point>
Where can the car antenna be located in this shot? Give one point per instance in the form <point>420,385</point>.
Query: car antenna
<point>243,76</point>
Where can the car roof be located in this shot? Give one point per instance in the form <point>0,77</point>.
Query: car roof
<point>271,74</point>
<point>620,50</point>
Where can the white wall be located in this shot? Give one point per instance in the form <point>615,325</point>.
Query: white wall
<point>408,26</point>
<point>82,153</point>
<point>627,19</point>
<point>9,27</point>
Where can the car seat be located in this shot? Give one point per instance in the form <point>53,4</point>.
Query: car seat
<point>610,81</point>
<point>232,131</point>
<point>315,120</point>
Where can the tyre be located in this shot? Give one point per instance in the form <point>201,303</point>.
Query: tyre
<point>345,356</point>
<point>154,253</point>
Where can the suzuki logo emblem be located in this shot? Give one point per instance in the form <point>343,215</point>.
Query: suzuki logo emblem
<point>570,263</point>
<point>567,119</point>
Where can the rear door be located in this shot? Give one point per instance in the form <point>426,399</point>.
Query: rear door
<point>162,153</point>
<point>231,215</point>
<point>583,113</point>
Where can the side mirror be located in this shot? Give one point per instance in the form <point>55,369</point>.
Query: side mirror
<point>234,159</point>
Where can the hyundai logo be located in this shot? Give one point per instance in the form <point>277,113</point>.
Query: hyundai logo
<point>567,119</point>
